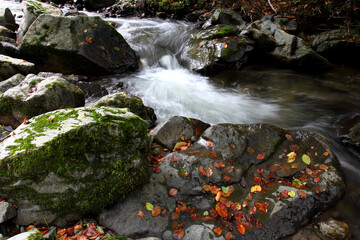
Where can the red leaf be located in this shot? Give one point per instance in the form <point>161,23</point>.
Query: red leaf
<point>156,211</point>
<point>249,197</point>
<point>208,219</point>
<point>287,169</point>
<point>294,148</point>
<point>260,156</point>
<point>174,159</point>
<point>227,178</point>
<point>221,164</point>
<point>141,214</point>
<point>260,171</point>
<point>228,236</point>
<point>218,231</point>
<point>241,229</point>
<point>190,209</point>
<point>289,137</point>
<point>229,169</point>
<point>257,180</point>
<point>216,164</point>
<point>209,143</point>
<point>179,233</point>
<point>252,210</point>
<point>175,216</point>
<point>261,206</point>
<point>317,179</point>
<point>213,154</point>
<point>195,216</point>
<point>214,213</point>
<point>285,193</point>
<point>202,171</point>
<point>173,192</point>
<point>221,209</point>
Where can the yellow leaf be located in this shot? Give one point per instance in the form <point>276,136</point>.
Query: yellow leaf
<point>256,188</point>
<point>182,137</point>
<point>291,157</point>
<point>149,206</point>
<point>178,145</point>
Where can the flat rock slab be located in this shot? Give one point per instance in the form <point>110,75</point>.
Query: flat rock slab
<point>10,66</point>
<point>251,181</point>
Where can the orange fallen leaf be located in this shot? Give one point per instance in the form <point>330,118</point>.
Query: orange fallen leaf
<point>89,39</point>
<point>202,171</point>
<point>179,234</point>
<point>218,231</point>
<point>241,229</point>
<point>173,192</point>
<point>323,167</point>
<point>317,179</point>
<point>213,154</point>
<point>195,216</point>
<point>228,236</point>
<point>141,214</point>
<point>25,121</point>
<point>227,178</point>
<point>61,231</point>
<point>156,211</point>
<point>29,227</point>
<point>302,194</point>
<point>175,225</point>
<point>232,145</point>
<point>221,209</point>
<point>326,154</point>
<point>289,137</point>
<point>209,143</point>
<point>80,237</point>
<point>225,45</point>
<point>260,156</point>
<point>256,188</point>
<point>218,196</point>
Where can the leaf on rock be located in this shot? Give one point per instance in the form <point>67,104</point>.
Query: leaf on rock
<point>209,172</point>
<point>174,216</point>
<point>302,194</point>
<point>182,138</point>
<point>141,214</point>
<point>291,194</point>
<point>317,179</point>
<point>225,189</point>
<point>179,145</point>
<point>174,159</point>
<point>306,159</point>
<point>209,143</point>
<point>250,150</point>
<point>227,178</point>
<point>221,209</point>
<point>229,169</point>
<point>179,234</point>
<point>289,137</point>
<point>149,206</point>
<point>291,157</point>
<point>228,236</point>
<point>287,169</point>
<point>294,165</point>
<point>218,231</point>
<point>326,154</point>
<point>260,156</point>
<point>213,154</point>
<point>256,188</point>
<point>173,191</point>
<point>323,167</point>
<point>294,148</point>
<point>202,171</point>
<point>232,145</point>
<point>241,229</point>
<point>195,216</point>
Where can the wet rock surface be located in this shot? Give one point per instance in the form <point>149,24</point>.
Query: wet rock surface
<point>255,181</point>
<point>10,66</point>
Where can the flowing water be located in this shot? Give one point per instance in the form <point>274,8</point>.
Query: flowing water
<point>253,94</point>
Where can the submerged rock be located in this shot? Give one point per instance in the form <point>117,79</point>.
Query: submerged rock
<point>236,178</point>
<point>67,163</point>
<point>10,66</point>
<point>36,95</point>
<point>131,102</point>
<point>77,45</point>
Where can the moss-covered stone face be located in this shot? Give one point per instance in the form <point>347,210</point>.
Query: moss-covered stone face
<point>74,161</point>
<point>36,95</point>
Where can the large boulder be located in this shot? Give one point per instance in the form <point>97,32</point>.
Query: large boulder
<point>338,46</point>
<point>97,4</point>
<point>32,9</point>
<point>256,181</point>
<point>79,45</point>
<point>290,49</point>
<point>7,19</point>
<point>131,102</point>
<point>10,66</point>
<point>227,17</point>
<point>36,95</point>
<point>70,162</point>
<point>215,48</point>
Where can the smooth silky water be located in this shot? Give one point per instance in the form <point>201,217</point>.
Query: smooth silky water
<point>253,94</point>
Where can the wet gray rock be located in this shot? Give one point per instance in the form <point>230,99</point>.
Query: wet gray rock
<point>7,19</point>
<point>7,211</point>
<point>10,66</point>
<point>338,46</point>
<point>176,129</point>
<point>349,131</point>
<point>11,82</point>
<point>5,32</point>
<point>238,158</point>
<point>290,49</point>
<point>10,50</point>
<point>131,102</point>
<point>36,95</point>
<point>227,17</point>
<point>215,48</point>
<point>77,45</point>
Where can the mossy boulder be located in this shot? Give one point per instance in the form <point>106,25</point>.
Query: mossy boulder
<point>236,174</point>
<point>339,46</point>
<point>290,49</point>
<point>10,66</point>
<point>36,95</point>
<point>215,48</point>
<point>11,82</point>
<point>77,45</point>
<point>32,9</point>
<point>227,17</point>
<point>131,102</point>
<point>70,162</point>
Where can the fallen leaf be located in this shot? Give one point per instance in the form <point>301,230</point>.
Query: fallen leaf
<point>209,172</point>
<point>250,150</point>
<point>173,191</point>
<point>25,121</point>
<point>178,145</point>
<point>260,171</point>
<point>306,159</point>
<point>202,171</point>
<point>174,216</point>
<point>228,236</point>
<point>60,232</point>
<point>294,165</point>
<point>195,216</point>
<point>289,137</point>
<point>213,154</point>
<point>244,204</point>
<point>227,178</point>
<point>218,231</point>
<point>249,197</point>
<point>216,164</point>
<point>89,39</point>
<point>221,209</point>
<point>326,154</point>
<point>218,196</point>
<point>241,229</point>
<point>256,188</point>
<point>225,45</point>
<point>294,148</point>
<point>236,206</point>
<point>209,143</point>
<point>252,210</point>
<point>149,206</point>
<point>323,167</point>
<point>208,219</point>
<point>302,194</point>
<point>225,189</point>
<point>232,145</point>
<point>260,156</point>
<point>287,169</point>
<point>229,169</point>
<point>182,138</point>
<point>261,206</point>
<point>202,155</point>
<point>175,225</point>
<point>179,233</point>
<point>317,179</point>
<point>164,211</point>
<point>291,157</point>
<point>221,164</point>
<point>291,194</point>
<point>174,159</point>
<point>285,193</point>
<point>141,214</point>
